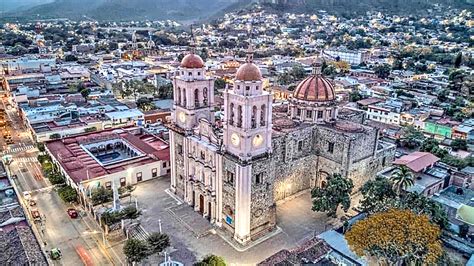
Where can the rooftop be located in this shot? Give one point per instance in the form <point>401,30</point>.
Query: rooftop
<point>78,157</point>
<point>417,161</point>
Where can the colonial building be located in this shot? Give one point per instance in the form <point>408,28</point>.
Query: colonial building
<point>235,174</point>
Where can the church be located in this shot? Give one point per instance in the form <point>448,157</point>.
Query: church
<point>235,172</point>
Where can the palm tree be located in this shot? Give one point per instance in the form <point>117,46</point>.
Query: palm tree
<point>402,178</point>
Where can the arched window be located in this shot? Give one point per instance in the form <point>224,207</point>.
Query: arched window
<point>196,98</point>
<point>239,116</point>
<point>178,96</point>
<point>204,96</point>
<point>184,98</point>
<point>254,117</point>
<point>231,114</point>
<point>262,115</point>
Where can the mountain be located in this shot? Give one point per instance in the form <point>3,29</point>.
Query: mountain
<point>11,5</point>
<point>361,6</point>
<point>129,9</point>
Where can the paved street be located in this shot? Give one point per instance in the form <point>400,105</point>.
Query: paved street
<point>80,240</point>
<point>295,218</point>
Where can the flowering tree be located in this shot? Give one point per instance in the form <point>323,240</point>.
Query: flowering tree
<point>397,236</point>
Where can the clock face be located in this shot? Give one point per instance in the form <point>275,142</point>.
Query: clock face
<point>257,140</point>
<point>235,139</point>
<point>182,117</point>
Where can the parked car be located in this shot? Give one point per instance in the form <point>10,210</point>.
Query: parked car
<point>72,213</point>
<point>36,215</point>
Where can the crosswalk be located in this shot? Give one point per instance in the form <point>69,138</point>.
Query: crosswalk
<point>26,159</point>
<point>17,149</point>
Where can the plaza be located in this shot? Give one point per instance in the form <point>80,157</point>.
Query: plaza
<point>192,236</point>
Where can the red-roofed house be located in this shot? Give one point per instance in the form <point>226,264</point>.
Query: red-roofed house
<point>417,161</point>
<point>124,156</point>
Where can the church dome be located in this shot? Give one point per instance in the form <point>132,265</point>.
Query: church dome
<point>315,88</point>
<point>192,61</point>
<point>248,72</point>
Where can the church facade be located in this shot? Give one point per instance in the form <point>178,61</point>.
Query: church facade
<point>235,172</point>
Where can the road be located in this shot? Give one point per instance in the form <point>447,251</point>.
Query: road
<point>80,240</point>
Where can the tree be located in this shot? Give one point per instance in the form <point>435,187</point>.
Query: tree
<point>336,192</point>
<point>211,260</point>
<point>41,147</point>
<point>420,204</point>
<point>70,58</point>
<point>402,178</point>
<point>396,237</point>
<point>55,136</point>
<point>135,250</point>
<point>382,71</point>
<point>412,137</point>
<point>355,96</point>
<point>463,230</point>
<point>376,192</point>
<point>101,195</point>
<point>157,242</point>
<point>67,194</point>
<point>56,178</point>
<point>219,84</point>
<point>458,60</point>
<point>459,144</point>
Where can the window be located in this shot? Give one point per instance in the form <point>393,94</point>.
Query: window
<point>239,116</point>
<point>164,164</point>
<point>123,182</point>
<point>231,116</point>
<point>203,155</point>
<point>190,73</point>
<point>256,87</point>
<point>331,147</point>
<point>108,185</point>
<point>154,172</point>
<point>300,145</point>
<point>179,149</point>
<point>309,114</point>
<point>262,115</point>
<point>196,98</point>
<point>178,96</point>
<point>259,178</point>
<point>254,117</point>
<point>230,177</point>
<point>238,87</point>
<point>139,176</point>
<point>247,88</point>
<point>298,112</point>
<point>199,73</point>
<point>204,96</point>
<point>320,114</point>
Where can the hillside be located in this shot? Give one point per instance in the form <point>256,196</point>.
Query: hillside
<point>128,10</point>
<point>362,6</point>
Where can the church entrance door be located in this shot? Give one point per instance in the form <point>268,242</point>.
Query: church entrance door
<point>209,211</point>
<point>201,204</point>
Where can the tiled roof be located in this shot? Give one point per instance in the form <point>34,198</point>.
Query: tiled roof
<point>417,161</point>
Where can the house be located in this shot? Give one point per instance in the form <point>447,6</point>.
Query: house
<point>122,156</point>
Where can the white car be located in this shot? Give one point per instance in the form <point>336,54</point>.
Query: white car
<point>27,195</point>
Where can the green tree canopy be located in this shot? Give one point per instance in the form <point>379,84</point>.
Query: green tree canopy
<point>67,194</point>
<point>402,179</point>
<point>336,193</point>
<point>157,242</point>
<point>376,192</point>
<point>135,250</point>
<point>211,260</point>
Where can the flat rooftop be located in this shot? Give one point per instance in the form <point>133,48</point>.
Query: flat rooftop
<point>86,156</point>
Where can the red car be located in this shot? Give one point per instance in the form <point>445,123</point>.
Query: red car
<point>72,213</point>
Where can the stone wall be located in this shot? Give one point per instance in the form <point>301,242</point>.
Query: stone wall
<point>179,160</point>
<point>228,193</point>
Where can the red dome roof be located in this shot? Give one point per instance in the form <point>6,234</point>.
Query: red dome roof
<point>248,72</point>
<point>315,88</point>
<point>192,61</point>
